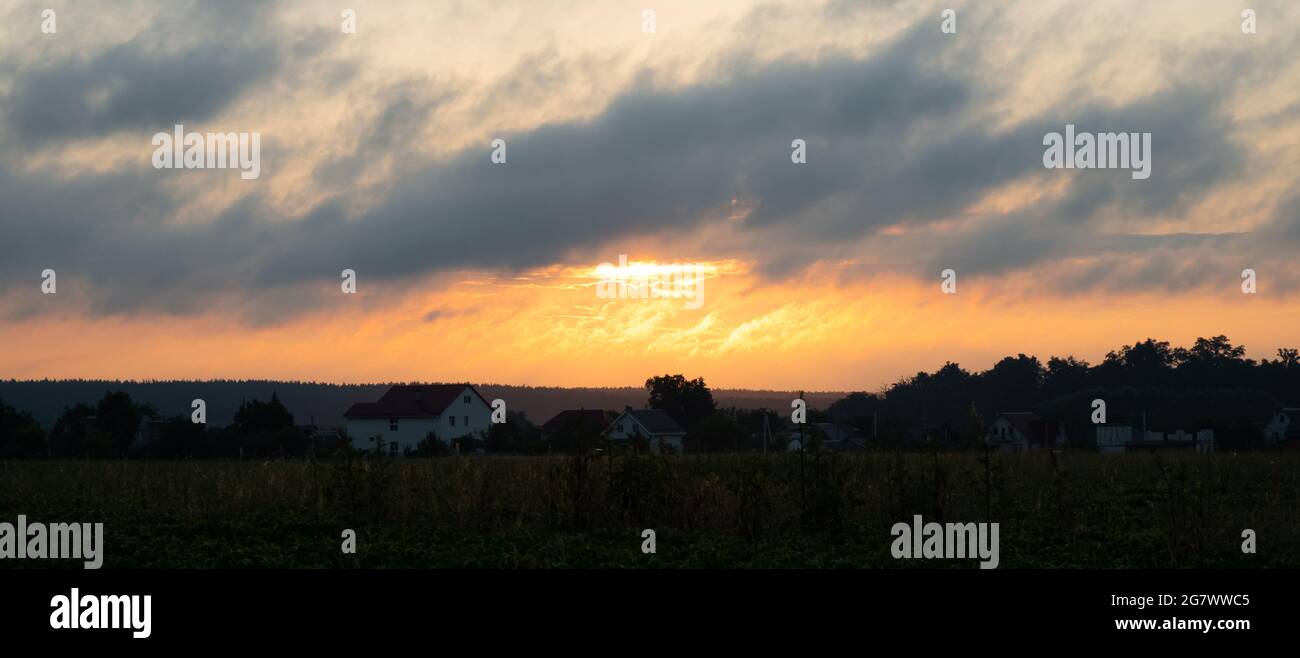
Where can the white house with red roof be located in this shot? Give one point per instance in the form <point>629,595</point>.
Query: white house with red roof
<point>407,413</point>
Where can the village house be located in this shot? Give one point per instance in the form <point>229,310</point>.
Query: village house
<point>1285,426</point>
<point>655,426</point>
<point>407,413</point>
<point>577,421</point>
<point>832,437</point>
<point>1113,439</point>
<point>1024,431</point>
<point>148,431</point>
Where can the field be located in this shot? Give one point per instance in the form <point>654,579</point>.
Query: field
<point>1055,511</point>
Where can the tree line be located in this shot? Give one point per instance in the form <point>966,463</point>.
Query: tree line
<point>1208,385</point>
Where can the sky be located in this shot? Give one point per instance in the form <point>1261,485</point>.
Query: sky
<point>672,147</point>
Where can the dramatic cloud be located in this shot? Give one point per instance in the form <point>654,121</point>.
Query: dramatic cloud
<point>924,153</point>
<point>188,65</point>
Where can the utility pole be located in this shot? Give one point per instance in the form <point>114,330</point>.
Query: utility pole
<point>803,435</point>
<point>766,429</point>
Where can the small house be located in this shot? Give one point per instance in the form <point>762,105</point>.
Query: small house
<point>1025,431</point>
<point>655,426</point>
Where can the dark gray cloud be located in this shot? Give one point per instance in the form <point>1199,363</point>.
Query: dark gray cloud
<point>433,315</point>
<point>402,109</point>
<point>655,161</point>
<point>191,64</point>
<point>1286,220</point>
<point>1193,150</point>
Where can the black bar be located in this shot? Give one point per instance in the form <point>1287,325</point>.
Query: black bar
<point>223,607</point>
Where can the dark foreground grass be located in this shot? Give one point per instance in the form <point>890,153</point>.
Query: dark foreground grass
<point>1055,511</point>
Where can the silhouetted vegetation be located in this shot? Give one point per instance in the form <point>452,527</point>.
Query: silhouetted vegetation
<point>1080,510</point>
<point>1210,385</point>
<point>583,507</point>
<point>20,435</point>
<point>688,401</point>
<point>429,446</point>
<point>105,430</point>
<point>322,404</point>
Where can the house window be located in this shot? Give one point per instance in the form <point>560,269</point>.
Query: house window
<point>392,447</point>
<point>392,424</point>
<point>466,421</point>
<point>466,399</point>
<point>453,420</point>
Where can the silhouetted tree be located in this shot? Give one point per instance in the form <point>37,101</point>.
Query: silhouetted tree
<point>429,446</point>
<point>1288,357</point>
<point>688,401</point>
<point>105,430</point>
<point>1064,376</point>
<point>21,437</point>
<point>715,433</point>
<point>257,417</point>
<point>180,437</point>
<point>1012,381</point>
<point>119,418</point>
<point>75,435</point>
<point>516,435</point>
<point>577,436</point>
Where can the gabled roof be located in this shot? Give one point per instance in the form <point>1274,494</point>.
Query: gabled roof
<point>656,421</point>
<point>1032,427</point>
<point>838,432</point>
<point>597,418</point>
<point>411,401</point>
<point>1022,421</point>
<point>1290,412</point>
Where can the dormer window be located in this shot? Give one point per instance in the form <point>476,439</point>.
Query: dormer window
<point>466,399</point>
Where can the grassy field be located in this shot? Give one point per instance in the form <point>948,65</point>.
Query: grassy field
<point>1069,510</point>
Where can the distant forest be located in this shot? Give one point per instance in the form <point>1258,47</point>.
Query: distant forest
<point>323,404</point>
